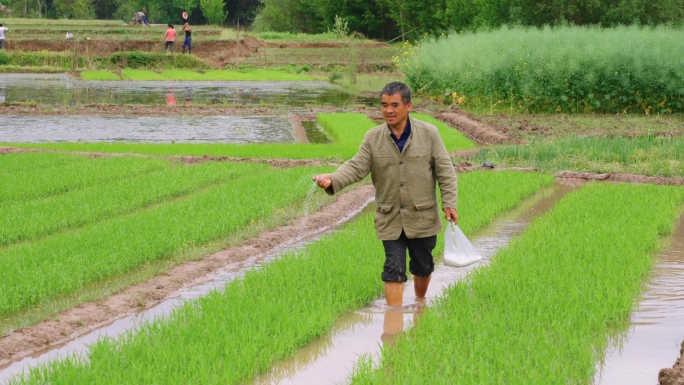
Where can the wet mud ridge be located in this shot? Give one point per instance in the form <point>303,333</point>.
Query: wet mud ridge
<point>477,131</point>
<point>675,374</point>
<point>88,317</point>
<point>614,177</point>
<point>187,159</point>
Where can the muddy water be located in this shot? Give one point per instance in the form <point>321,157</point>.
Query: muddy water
<point>59,89</point>
<point>214,282</point>
<point>330,359</point>
<point>314,132</point>
<point>657,331</point>
<point>159,129</point>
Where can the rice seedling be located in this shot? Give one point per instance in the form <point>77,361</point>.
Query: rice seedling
<point>11,163</point>
<point>545,308</point>
<point>26,221</point>
<point>561,69</point>
<point>452,138</point>
<point>138,74</point>
<point>231,335</point>
<point>645,154</point>
<point>62,263</point>
<point>31,183</point>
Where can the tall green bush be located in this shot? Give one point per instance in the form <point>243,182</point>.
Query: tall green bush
<point>560,69</point>
<point>213,11</point>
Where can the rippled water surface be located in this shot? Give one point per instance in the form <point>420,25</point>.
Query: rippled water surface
<point>59,89</point>
<point>159,129</point>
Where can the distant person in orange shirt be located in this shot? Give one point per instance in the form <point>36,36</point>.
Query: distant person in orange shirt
<point>184,17</point>
<point>170,38</point>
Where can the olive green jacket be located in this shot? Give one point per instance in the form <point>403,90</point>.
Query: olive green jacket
<point>405,188</point>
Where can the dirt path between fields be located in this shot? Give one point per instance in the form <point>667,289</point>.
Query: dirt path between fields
<point>92,315</point>
<point>298,130</point>
<point>614,177</point>
<point>675,374</point>
<point>187,159</point>
<point>479,132</point>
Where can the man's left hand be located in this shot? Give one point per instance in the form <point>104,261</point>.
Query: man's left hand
<point>451,215</point>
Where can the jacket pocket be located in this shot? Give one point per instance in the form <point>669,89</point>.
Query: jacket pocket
<point>383,208</point>
<point>425,205</point>
<point>417,152</point>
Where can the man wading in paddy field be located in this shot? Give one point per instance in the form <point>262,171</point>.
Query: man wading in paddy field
<point>406,158</point>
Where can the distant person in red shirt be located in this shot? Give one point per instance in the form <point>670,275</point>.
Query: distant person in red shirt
<point>170,38</point>
<point>184,17</point>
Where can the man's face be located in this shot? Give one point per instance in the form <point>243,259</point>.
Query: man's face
<point>393,108</point>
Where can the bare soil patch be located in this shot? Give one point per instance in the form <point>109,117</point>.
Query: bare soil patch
<point>92,315</point>
<point>213,49</point>
<point>479,132</point>
<point>675,374</point>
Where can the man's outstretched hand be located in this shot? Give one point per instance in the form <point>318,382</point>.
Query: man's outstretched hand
<point>450,215</point>
<point>323,180</point>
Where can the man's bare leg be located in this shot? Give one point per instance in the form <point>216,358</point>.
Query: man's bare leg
<point>394,293</point>
<point>420,285</point>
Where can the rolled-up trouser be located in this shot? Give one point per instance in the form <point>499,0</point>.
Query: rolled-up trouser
<point>420,253</point>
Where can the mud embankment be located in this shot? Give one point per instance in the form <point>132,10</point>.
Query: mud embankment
<point>479,132</point>
<point>675,374</point>
<point>186,159</point>
<point>625,178</point>
<point>92,315</point>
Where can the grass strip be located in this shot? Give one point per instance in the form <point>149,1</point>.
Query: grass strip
<point>17,162</point>
<point>544,310</point>
<point>644,154</point>
<point>31,184</point>
<point>230,336</point>
<point>210,75</point>
<point>29,220</point>
<point>452,138</point>
<point>55,266</point>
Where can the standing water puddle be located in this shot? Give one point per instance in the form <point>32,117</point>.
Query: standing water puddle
<point>159,129</point>
<point>215,282</point>
<point>657,331</point>
<point>330,359</point>
<point>57,89</point>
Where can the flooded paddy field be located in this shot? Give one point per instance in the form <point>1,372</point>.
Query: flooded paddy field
<point>154,129</point>
<point>59,89</point>
<point>653,341</point>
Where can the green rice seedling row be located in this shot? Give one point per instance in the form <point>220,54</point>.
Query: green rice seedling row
<point>546,307</point>
<point>231,335</point>
<point>26,221</point>
<point>17,162</point>
<point>452,138</point>
<point>644,154</point>
<point>58,265</point>
<point>31,184</point>
<point>345,129</point>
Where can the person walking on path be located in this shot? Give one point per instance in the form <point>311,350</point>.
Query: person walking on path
<point>184,17</point>
<point>2,36</point>
<point>188,38</point>
<point>170,38</point>
<point>406,159</point>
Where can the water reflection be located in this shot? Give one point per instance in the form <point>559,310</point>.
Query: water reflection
<point>61,90</point>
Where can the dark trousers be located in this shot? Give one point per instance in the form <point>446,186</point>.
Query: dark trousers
<point>169,46</point>
<point>420,252</point>
<point>187,43</point>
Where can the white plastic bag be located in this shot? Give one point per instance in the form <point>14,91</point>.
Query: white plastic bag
<point>458,251</point>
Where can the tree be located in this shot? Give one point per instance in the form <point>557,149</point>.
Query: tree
<point>213,11</point>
